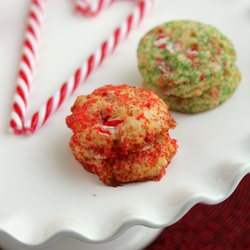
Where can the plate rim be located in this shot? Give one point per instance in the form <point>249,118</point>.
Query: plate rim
<point>124,226</point>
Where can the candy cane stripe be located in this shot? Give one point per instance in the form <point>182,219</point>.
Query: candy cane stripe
<point>20,93</point>
<point>77,78</point>
<point>70,86</point>
<point>62,93</point>
<point>18,111</point>
<point>16,122</point>
<point>34,122</point>
<point>24,78</point>
<point>97,58</point>
<point>19,102</point>
<point>83,71</point>
<point>48,110</point>
<point>25,59</point>
<point>56,100</point>
<point>25,90</point>
<point>32,41</point>
<point>33,28</point>
<point>26,72</point>
<point>38,8</point>
<point>90,65</point>
<point>124,31</point>
<point>28,46</point>
<point>41,117</point>
<point>129,24</point>
<point>27,53</point>
<point>103,51</point>
<point>111,41</point>
<point>136,19</point>
<point>141,10</point>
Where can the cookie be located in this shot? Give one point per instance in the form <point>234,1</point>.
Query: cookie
<point>190,65</point>
<point>209,99</point>
<point>115,122</point>
<point>185,57</point>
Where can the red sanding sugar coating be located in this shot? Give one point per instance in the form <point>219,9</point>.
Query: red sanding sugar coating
<point>121,134</point>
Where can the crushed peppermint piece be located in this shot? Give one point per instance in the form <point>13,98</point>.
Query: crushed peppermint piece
<point>192,54</point>
<point>113,123</point>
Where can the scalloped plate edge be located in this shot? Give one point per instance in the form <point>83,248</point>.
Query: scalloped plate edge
<point>124,226</point>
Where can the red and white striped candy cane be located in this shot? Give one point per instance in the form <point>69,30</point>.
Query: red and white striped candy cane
<point>92,7</point>
<point>18,123</point>
<point>27,65</point>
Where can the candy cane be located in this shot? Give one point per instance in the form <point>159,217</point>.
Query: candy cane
<point>27,65</point>
<point>18,123</point>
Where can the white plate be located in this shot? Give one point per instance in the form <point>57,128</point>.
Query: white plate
<point>44,193</point>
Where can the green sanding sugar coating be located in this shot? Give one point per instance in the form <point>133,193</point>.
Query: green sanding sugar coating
<point>209,99</point>
<point>188,61</point>
<point>185,57</point>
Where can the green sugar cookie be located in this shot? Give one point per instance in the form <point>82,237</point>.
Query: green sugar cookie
<point>185,58</point>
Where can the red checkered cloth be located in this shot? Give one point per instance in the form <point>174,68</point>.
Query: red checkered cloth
<point>224,226</point>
